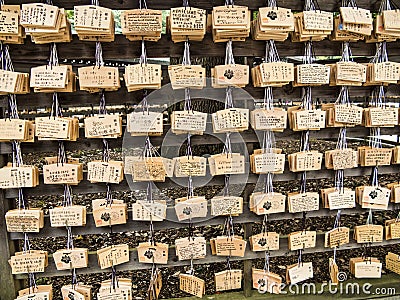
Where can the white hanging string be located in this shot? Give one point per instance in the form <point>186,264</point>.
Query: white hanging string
<point>142,4</point>
<point>143,55</point>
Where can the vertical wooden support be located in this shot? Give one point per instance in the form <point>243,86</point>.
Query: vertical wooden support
<point>247,264</point>
<point>8,285</point>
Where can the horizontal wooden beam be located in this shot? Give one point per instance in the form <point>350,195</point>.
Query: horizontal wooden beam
<point>165,47</point>
<point>173,261</point>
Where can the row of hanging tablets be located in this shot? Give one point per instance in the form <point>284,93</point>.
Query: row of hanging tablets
<point>47,23</point>
<point>263,280</point>
<point>62,79</point>
<point>36,261</point>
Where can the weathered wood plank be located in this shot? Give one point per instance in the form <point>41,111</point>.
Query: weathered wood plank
<point>166,48</point>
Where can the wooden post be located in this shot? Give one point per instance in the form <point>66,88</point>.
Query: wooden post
<point>8,285</point>
<point>247,264</point>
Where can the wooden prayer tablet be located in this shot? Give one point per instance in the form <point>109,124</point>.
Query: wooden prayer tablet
<point>222,164</point>
<point>138,24</point>
<point>333,271</point>
<point>392,229</point>
<point>386,26</point>
<point>187,23</point>
<point>368,233</point>
<point>190,208</point>
<point>105,214</point>
<point>267,203</point>
<point>230,120</point>
<point>341,115</point>
<point>143,76</point>
<point>337,237</point>
<point>226,205</point>
<point>186,166</point>
<point>94,79</point>
<point>122,290</point>
<point>60,173</point>
<point>149,169</point>
<point>24,220</point>
<point>356,20</point>
<point>44,290</point>
<point>185,121</point>
<point>264,241</point>
<point>341,35</point>
<point>57,128</point>
<point>153,163</point>
<point>338,199</point>
<point>267,119</point>
<point>314,25</point>
<point>153,253</point>
<point>193,76</point>
<point>348,73</point>
<point>191,248</point>
<point>302,240</point>
<point>13,82</point>
<point>192,285</point>
<point>228,246</point>
<point>264,163</point>
<point>311,75</point>
<point>62,216</point>
<point>301,119</point>
<point>394,192</point>
<point>396,155</point>
<point>32,261</point>
<point>103,126</point>
<point>94,23</point>
<point>272,23</point>
<point>149,211</point>
<point>111,172</point>
<point>381,117</point>
<point>19,177</point>
<point>49,79</point>
<point>305,161</point>
<point>39,15</point>
<point>230,75</point>
<point>60,33</point>
<point>230,22</point>
<point>228,280</point>
<point>340,159</point>
<point>365,267</point>
<point>145,123</point>
<point>299,272</point>
<point>35,296</point>
<point>78,292</point>
<point>266,281</point>
<point>375,197</point>
<point>382,73</point>
<point>11,31</point>
<point>393,262</point>
<point>113,255</point>
<point>14,129</point>
<point>67,259</point>
<point>370,157</point>
<point>272,74</point>
<point>303,202</point>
